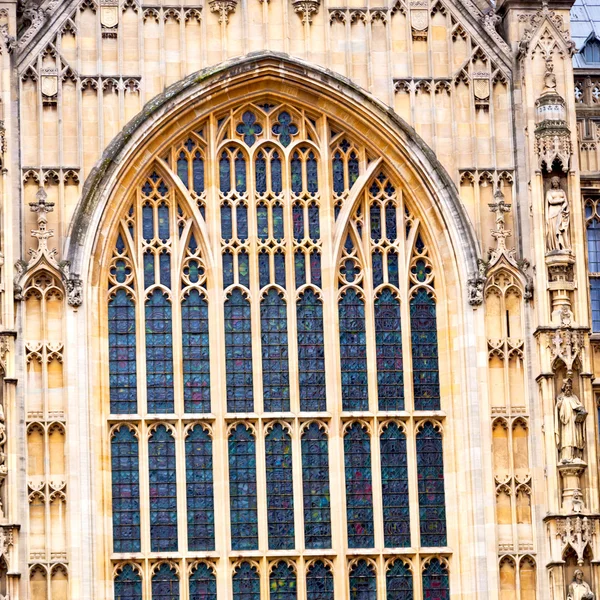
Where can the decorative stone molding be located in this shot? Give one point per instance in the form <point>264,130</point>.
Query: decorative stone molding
<point>576,532</point>
<point>224,8</point>
<point>565,346</point>
<point>306,9</point>
<point>36,17</point>
<point>476,284</point>
<point>490,22</point>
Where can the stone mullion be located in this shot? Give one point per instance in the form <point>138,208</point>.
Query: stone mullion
<point>332,365</point>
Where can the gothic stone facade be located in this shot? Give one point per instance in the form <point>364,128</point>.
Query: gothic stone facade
<point>294,301</point>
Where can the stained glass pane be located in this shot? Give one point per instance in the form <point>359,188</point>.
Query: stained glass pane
<point>312,176</point>
<point>242,489</point>
<point>198,173</point>
<point>363,581</point>
<point>224,173</point>
<point>163,491</point>
<point>377,260</point>
<point>165,269</point>
<point>430,474</point>
<point>436,583</point>
<point>159,354</point>
<point>227,268</point>
<point>299,267</point>
<point>375,213</point>
<point>593,239</point>
<point>296,168</point>
<point>278,221</point>
<point>128,584</point>
<point>276,181</point>
<point>424,351</point>
<point>199,489</point>
<point>147,222</point>
<point>246,583</point>
<point>279,264</point>
<point>122,354</point>
<point>182,168</point>
<point>399,582</point>
<point>315,268</point>
<point>203,584</point>
<point>149,269</point>
<point>273,323</point>
<point>392,267</point>
<point>262,221</point>
<point>163,222</point>
<point>338,173</point>
<point>165,584</point>
<point>313,221</point>
<point>353,352</point>
<point>260,171</point>
<point>298,221</point>
<point>352,168</point>
<point>394,484</point>
<point>319,582</point>
<point>238,353</point>
<point>264,268</point>
<point>280,492</point>
<point>241,213</point>
<point>125,491</point>
<point>388,338</point>
<point>359,493</point>
<point>595,302</point>
<point>226,222</point>
<point>315,486</point>
<point>311,352</point>
<point>391,230</point>
<point>282,582</point>
<point>244,268</point>
<point>240,173</point>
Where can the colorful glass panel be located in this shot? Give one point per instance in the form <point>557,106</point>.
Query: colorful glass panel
<point>282,582</point>
<point>399,582</point>
<point>242,489</point>
<point>122,353</point>
<point>165,583</point>
<point>128,584</point>
<point>423,323</point>
<point>359,492</point>
<point>203,583</point>
<point>199,489</point>
<point>394,484</point>
<point>436,583</point>
<point>319,581</point>
<point>315,487</point>
<point>280,489</point>
<point>246,583</point>
<point>363,581</point>
<point>125,491</point>
<point>430,474</point>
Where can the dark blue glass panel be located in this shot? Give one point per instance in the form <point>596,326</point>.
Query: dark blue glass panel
<point>363,581</point>
<point>246,583</point>
<point>196,353</point>
<point>338,173</point>
<point>198,173</point>
<point>264,270</point>
<point>159,354</point>
<point>319,582</point>
<point>244,268</point>
<point>241,213</point>
<point>226,223</point>
<point>128,584</point>
<point>312,176</point>
<point>242,489</point>
<point>313,221</point>
<point>147,221</point>
<point>163,491</point>
<point>353,352</point>
<point>298,221</point>
<point>352,168</point>
<point>375,212</point>
<point>278,221</point>
<point>120,245</point>
<point>249,128</point>
<point>260,170</point>
<point>122,354</point>
<point>394,484</point>
<point>388,340</point>
<point>392,266</point>
<point>273,324</point>
<point>315,486</point>
<point>165,584</point>
<point>593,237</point>
<point>423,326</point>
<point>279,263</point>
<point>224,173</point>
<point>148,269</point>
<point>199,490</point>
<point>315,268</point>
<point>165,269</point>
<point>595,302</point>
<point>296,168</point>
<point>285,129</point>
<point>227,268</point>
<point>280,491</point>
<point>240,173</point>
<point>203,584</point>
<point>399,582</point>
<point>430,474</point>
<point>299,267</point>
<point>125,491</point>
<point>377,259</point>
<point>262,221</point>
<point>276,182</point>
<point>391,229</point>
<point>311,352</point>
<point>282,582</point>
<point>436,584</point>
<point>359,493</point>
<point>238,353</point>
<point>163,222</point>
<point>182,168</point>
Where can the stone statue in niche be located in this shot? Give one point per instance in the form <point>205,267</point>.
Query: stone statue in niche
<point>579,589</point>
<point>570,418</point>
<point>558,218</point>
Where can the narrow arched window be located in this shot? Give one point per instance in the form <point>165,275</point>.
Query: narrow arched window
<point>246,582</point>
<point>128,584</point>
<point>203,583</point>
<point>363,581</point>
<point>282,582</point>
<point>280,488</point>
<point>592,214</point>
<point>319,581</point>
<point>315,485</point>
<point>399,581</point>
<point>242,488</point>
<point>165,583</point>
<point>436,583</point>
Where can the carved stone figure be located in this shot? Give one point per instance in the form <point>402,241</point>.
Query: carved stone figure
<point>579,589</point>
<point>558,218</point>
<point>570,418</point>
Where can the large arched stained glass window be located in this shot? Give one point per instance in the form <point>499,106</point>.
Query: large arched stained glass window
<point>266,291</point>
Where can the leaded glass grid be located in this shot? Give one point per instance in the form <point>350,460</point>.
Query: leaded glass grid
<point>258,331</point>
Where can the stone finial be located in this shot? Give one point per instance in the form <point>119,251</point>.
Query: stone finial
<point>306,9</point>
<point>224,8</point>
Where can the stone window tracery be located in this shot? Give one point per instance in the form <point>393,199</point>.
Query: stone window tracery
<point>253,353</point>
